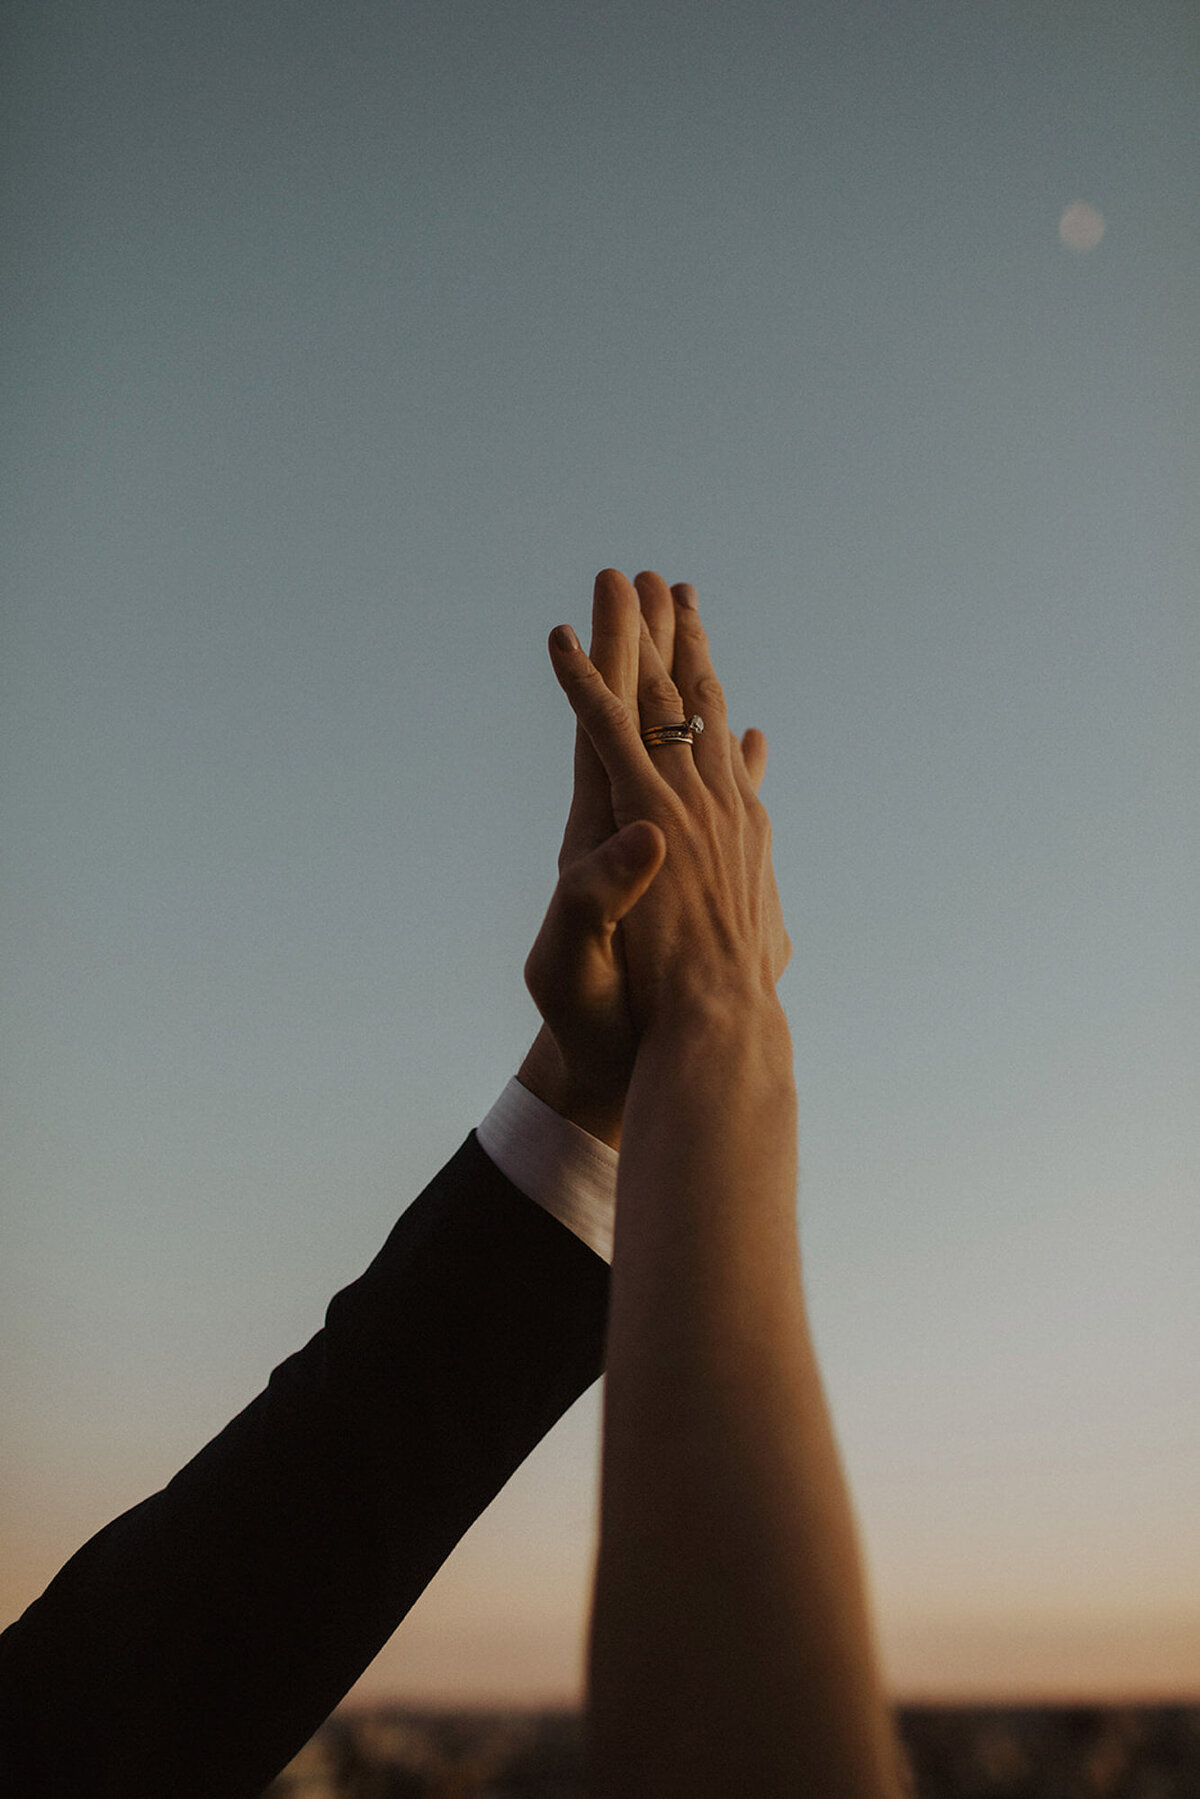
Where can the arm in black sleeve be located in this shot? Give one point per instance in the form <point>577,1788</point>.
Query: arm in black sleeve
<point>195,1644</point>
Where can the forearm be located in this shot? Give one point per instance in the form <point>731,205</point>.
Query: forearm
<point>197,1642</point>
<point>731,1648</point>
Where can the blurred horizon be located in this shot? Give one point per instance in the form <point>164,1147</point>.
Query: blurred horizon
<point>342,347</point>
<point>1091,1752</point>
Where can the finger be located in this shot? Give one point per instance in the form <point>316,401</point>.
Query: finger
<point>748,755</point>
<point>611,728</point>
<point>658,610</point>
<point>753,751</point>
<point>590,819</point>
<point>616,626</point>
<point>660,703</point>
<point>602,887</point>
<point>591,898</point>
<point>697,682</point>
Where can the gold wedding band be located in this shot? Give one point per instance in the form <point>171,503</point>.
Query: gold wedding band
<point>686,732</point>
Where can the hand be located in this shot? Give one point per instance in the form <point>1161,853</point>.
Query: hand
<point>712,923</point>
<point>582,1059</point>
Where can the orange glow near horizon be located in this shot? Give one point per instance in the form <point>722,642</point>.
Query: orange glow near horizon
<point>470,1641</point>
<point>451,1652</point>
<point>448,1652</point>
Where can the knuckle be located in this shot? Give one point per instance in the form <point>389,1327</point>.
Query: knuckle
<point>604,699</point>
<point>597,706</point>
<point>589,680</point>
<point>661,691</point>
<point>586,677</point>
<point>710,693</point>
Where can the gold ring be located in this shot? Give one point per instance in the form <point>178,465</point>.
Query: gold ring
<point>686,732</point>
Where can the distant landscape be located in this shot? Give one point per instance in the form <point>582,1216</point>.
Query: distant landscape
<point>956,1752</point>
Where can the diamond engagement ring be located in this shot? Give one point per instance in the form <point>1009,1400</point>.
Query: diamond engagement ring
<point>687,732</point>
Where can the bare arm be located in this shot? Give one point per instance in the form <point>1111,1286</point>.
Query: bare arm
<point>731,1647</point>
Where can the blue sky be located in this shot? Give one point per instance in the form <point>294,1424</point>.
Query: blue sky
<point>343,346</point>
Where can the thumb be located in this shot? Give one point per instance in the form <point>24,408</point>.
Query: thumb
<point>616,874</point>
<point>591,898</point>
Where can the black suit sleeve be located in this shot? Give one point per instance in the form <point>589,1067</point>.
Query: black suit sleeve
<point>195,1644</point>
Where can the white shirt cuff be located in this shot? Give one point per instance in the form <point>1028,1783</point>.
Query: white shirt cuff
<point>565,1169</point>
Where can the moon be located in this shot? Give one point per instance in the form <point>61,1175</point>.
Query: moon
<point>1081,226</point>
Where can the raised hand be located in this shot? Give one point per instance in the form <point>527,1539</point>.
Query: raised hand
<point>730,1646</point>
<point>712,922</point>
<point>581,1061</point>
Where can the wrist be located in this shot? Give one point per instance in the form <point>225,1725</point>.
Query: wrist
<point>548,1078</point>
<point>737,1012</point>
<point>719,1041</point>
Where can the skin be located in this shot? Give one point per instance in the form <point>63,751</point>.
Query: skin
<point>582,1058</point>
<point>731,1648</point>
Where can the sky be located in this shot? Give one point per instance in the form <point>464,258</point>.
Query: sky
<point>343,344</point>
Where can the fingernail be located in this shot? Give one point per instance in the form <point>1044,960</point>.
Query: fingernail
<point>685,596</point>
<point>565,638</point>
